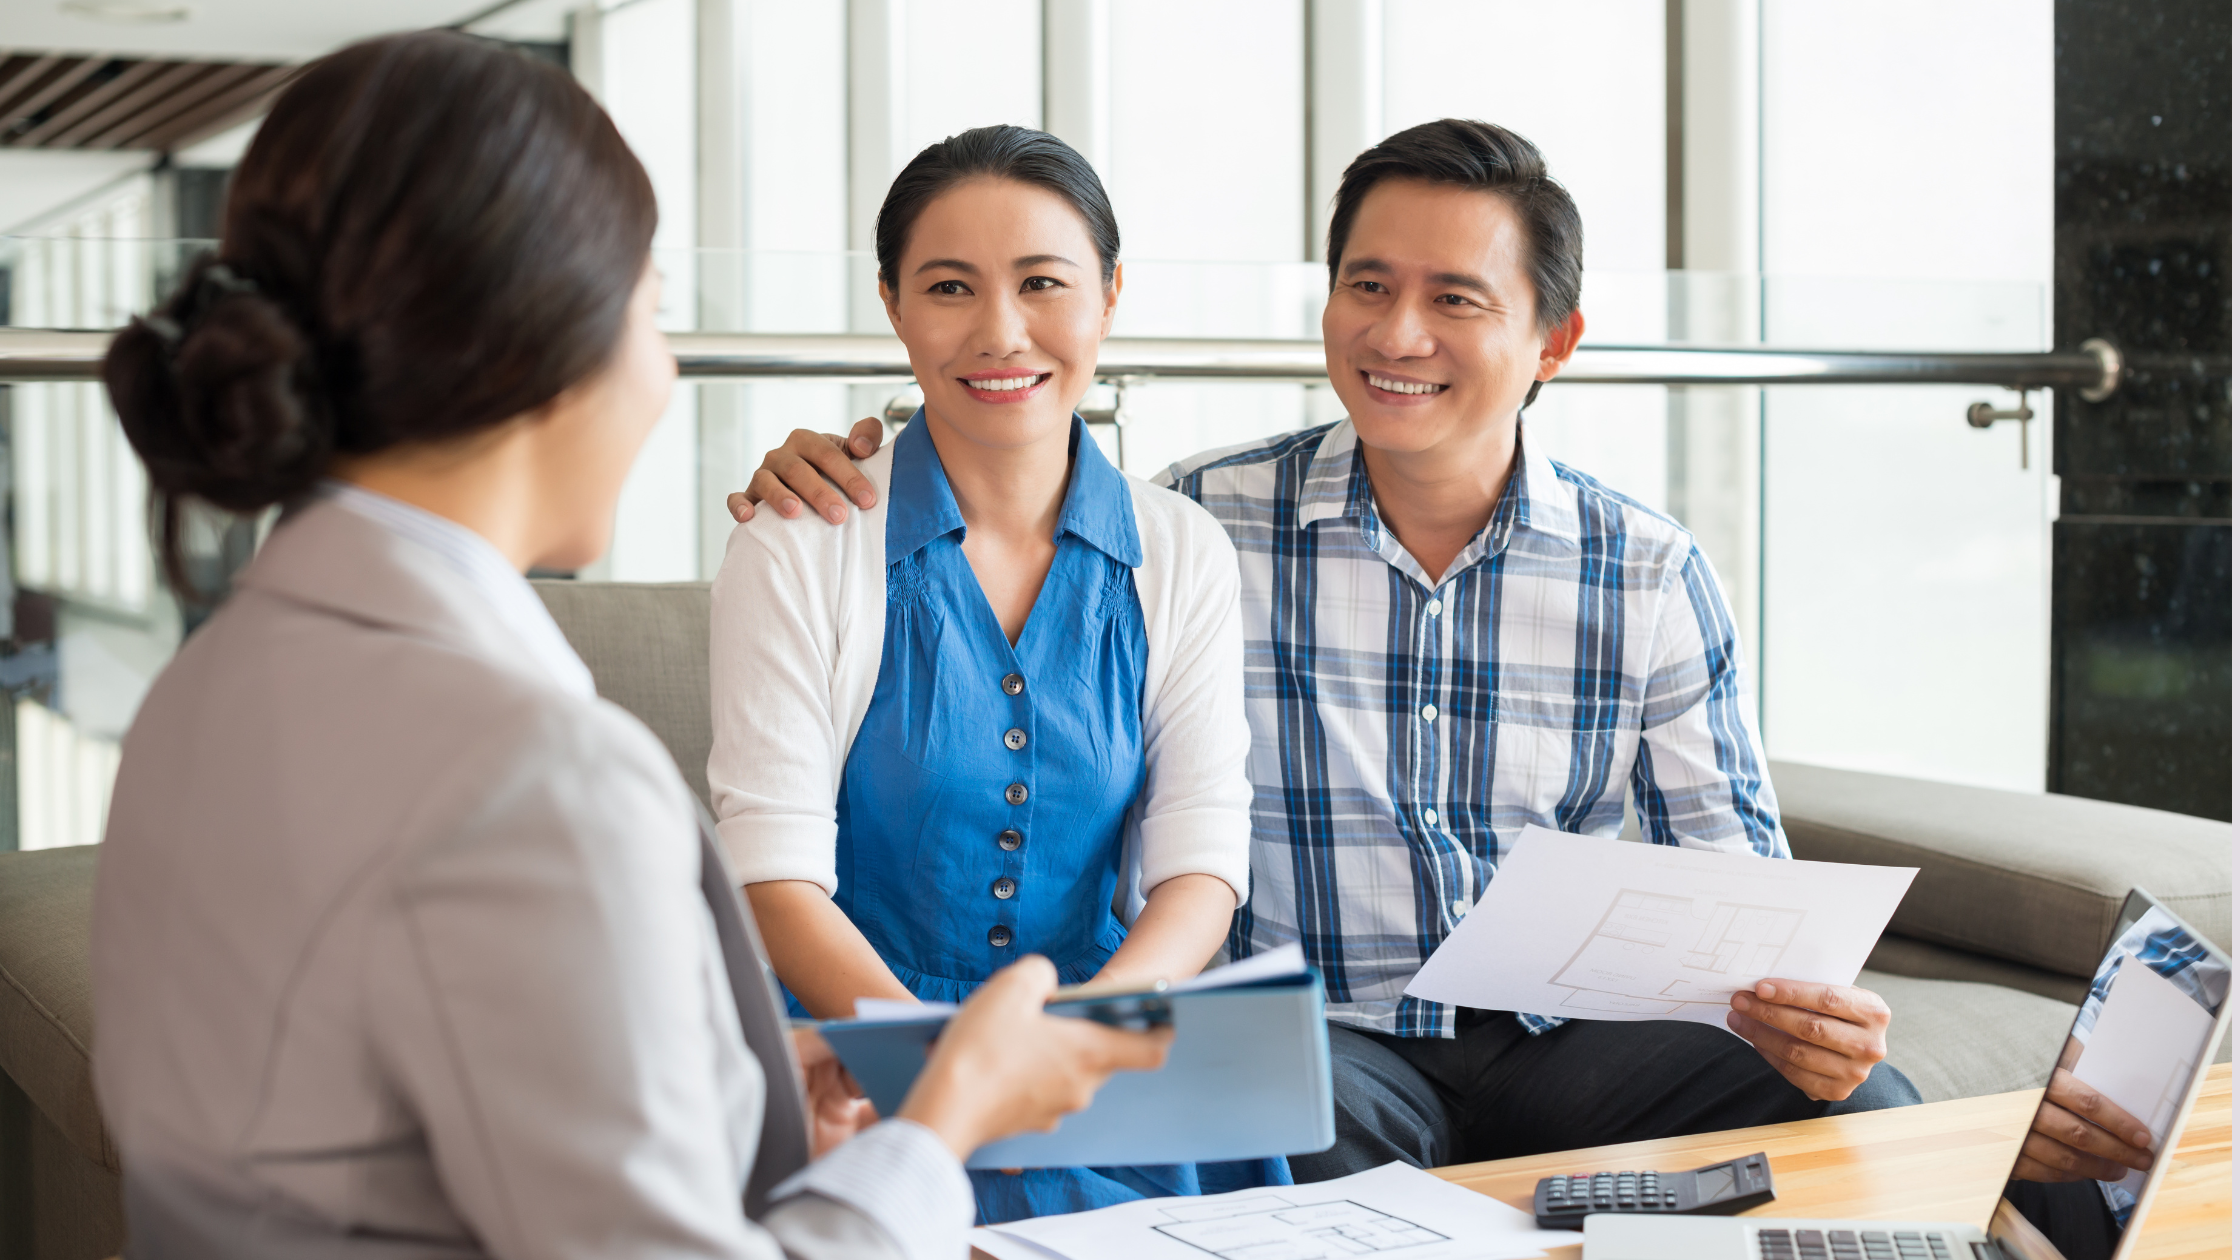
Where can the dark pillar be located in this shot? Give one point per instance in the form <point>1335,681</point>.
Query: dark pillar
<point>2142,552</point>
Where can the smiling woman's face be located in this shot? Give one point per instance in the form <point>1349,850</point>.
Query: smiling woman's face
<point>1001,302</point>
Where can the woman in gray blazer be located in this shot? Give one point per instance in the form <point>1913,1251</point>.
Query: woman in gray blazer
<point>405,943</point>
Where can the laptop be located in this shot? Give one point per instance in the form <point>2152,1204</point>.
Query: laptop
<point>2144,1037</point>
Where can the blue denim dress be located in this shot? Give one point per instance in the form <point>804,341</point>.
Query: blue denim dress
<point>981,805</point>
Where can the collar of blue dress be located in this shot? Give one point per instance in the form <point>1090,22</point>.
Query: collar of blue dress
<point>1099,508</point>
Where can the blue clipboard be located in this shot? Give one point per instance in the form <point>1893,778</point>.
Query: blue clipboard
<point>1248,1077</point>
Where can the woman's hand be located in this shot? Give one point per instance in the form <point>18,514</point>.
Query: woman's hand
<point>837,1108</point>
<point>814,467</point>
<point>1003,1066</point>
<point>2078,1134</point>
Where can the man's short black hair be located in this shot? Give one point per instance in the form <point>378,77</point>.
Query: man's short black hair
<point>1491,159</point>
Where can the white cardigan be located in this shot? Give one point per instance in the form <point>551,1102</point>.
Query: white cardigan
<point>798,631</point>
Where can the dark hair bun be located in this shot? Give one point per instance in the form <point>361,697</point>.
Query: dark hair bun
<point>218,392</point>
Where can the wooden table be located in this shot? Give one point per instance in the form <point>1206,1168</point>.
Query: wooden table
<point>1939,1162</point>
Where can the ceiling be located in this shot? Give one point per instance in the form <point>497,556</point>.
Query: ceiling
<point>217,30</point>
<point>161,74</point>
<point>66,101</point>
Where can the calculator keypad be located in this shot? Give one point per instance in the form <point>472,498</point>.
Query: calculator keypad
<point>1565,1201</point>
<point>1612,1192</point>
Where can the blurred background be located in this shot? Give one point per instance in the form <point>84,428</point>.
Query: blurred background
<point>2040,606</point>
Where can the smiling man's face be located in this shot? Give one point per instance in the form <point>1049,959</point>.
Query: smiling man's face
<point>1430,332</point>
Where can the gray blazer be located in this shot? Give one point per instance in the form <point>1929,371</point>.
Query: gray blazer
<point>400,949</point>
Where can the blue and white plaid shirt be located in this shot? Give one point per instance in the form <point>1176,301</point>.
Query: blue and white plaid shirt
<point>1406,728</point>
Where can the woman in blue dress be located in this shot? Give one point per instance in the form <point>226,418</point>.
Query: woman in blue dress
<point>1002,712</point>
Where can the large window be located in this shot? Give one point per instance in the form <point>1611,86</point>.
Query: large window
<point>1888,564</point>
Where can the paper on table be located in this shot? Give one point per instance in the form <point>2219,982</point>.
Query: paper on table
<point>1580,928</point>
<point>1284,960</point>
<point>2149,1036</point>
<point>1391,1208</point>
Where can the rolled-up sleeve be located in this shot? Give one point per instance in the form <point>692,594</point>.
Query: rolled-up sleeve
<point>774,766</point>
<point>1197,799</point>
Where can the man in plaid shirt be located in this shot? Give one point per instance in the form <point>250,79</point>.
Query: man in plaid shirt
<point>1448,637</point>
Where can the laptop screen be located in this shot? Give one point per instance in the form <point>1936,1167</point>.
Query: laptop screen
<point>2122,1078</point>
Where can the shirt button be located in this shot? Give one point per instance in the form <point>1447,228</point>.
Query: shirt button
<point>1003,888</point>
<point>1431,817</point>
<point>1013,684</point>
<point>1435,607</point>
<point>999,936</point>
<point>1016,794</point>
<point>1461,907</point>
<point>1009,838</point>
<point>1431,713</point>
<point>1014,739</point>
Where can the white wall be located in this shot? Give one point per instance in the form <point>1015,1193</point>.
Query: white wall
<point>969,63</point>
<point>35,183</point>
<point>1585,83</point>
<point>1908,202</point>
<point>1208,178</point>
<point>773,224</point>
<point>642,67</point>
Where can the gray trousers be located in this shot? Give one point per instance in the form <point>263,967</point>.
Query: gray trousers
<point>1496,1091</point>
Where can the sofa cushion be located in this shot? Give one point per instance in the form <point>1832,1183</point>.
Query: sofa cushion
<point>46,990</point>
<point>2032,877</point>
<point>1958,1039</point>
<point>1905,956</point>
<point>646,644</point>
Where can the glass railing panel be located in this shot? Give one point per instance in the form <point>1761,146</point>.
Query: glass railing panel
<point>1907,555</point>
<point>85,625</point>
<point>1886,561</point>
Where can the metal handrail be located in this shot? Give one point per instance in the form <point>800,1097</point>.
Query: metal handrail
<point>2095,370</point>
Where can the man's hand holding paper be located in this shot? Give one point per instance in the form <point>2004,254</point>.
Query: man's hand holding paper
<point>1581,928</point>
<point>1824,1038</point>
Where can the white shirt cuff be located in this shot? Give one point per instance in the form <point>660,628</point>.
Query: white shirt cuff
<point>901,1178</point>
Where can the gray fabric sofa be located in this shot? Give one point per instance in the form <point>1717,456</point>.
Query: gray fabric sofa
<point>1982,965</point>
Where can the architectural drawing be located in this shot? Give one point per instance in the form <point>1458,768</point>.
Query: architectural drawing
<point>1270,1228</point>
<point>1653,953</point>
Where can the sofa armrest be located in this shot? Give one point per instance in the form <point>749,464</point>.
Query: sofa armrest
<point>46,991</point>
<point>2034,878</point>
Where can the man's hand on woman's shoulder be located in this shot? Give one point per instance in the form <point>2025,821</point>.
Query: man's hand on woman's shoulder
<point>813,468</point>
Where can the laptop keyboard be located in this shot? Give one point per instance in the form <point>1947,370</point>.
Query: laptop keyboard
<point>1851,1244</point>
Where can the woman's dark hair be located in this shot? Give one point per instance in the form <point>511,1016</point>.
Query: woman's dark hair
<point>430,234</point>
<point>1490,159</point>
<point>1002,152</point>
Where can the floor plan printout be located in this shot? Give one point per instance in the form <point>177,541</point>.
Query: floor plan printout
<point>1389,1213</point>
<point>1582,928</point>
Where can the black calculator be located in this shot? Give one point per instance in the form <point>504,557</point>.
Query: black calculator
<point>1712,1190</point>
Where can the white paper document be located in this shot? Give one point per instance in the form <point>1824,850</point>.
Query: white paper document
<point>2144,1046</point>
<point>1284,960</point>
<point>1581,928</point>
<point>1395,1211</point>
